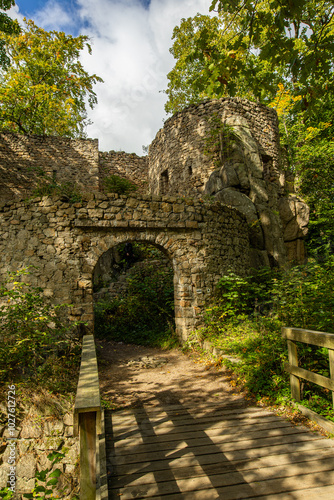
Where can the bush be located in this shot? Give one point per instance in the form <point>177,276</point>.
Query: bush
<point>115,184</point>
<point>246,320</point>
<point>36,340</point>
<point>304,296</point>
<point>68,191</point>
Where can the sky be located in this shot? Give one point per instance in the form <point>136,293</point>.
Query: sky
<point>130,42</point>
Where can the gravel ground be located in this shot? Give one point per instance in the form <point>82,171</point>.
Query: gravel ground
<point>131,373</point>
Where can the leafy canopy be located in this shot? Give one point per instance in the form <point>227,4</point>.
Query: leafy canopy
<point>249,47</point>
<point>8,26</point>
<point>44,90</point>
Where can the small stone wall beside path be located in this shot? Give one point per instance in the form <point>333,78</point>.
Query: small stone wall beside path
<point>45,424</point>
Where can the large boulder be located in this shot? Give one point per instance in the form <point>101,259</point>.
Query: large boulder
<point>244,181</point>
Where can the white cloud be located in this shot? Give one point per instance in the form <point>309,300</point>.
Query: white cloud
<point>53,16</point>
<point>14,13</point>
<point>131,53</point>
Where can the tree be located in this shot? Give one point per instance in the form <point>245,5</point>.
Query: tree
<point>8,26</point>
<point>210,64</point>
<point>309,142</point>
<point>296,36</point>
<point>44,89</point>
<point>254,44</point>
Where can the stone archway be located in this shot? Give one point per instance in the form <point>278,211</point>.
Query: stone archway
<point>64,243</point>
<point>188,268</point>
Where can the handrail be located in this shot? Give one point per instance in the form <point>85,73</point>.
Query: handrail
<point>320,339</point>
<point>87,418</point>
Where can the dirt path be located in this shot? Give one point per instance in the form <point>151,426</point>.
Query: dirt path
<point>130,373</point>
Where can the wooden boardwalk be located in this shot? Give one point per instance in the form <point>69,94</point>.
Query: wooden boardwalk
<point>214,451</point>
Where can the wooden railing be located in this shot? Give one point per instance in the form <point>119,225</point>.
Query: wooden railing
<point>87,421</point>
<point>320,339</point>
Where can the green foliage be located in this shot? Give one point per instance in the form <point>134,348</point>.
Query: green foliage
<point>304,296</point>
<point>145,315</point>
<point>8,26</point>
<point>68,191</point>
<point>116,184</point>
<point>250,295</point>
<point>46,481</point>
<point>45,89</point>
<point>36,340</point>
<point>309,145</point>
<point>249,47</point>
<point>219,141</point>
<point>246,320</point>
<point>6,494</point>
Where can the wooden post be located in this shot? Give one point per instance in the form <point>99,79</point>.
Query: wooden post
<point>87,429</point>
<point>293,360</point>
<point>331,368</point>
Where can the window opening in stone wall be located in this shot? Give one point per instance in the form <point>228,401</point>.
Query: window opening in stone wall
<point>267,166</point>
<point>164,182</point>
<point>190,170</point>
<point>134,295</point>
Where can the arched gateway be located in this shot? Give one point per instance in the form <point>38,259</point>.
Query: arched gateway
<point>65,241</point>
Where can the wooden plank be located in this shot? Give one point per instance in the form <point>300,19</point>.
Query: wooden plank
<point>202,441</point>
<point>182,410</point>
<point>323,422</point>
<point>331,369</point>
<point>211,448</point>
<point>150,484</point>
<point>228,456</point>
<point>295,463</point>
<point>209,494</point>
<point>88,391</point>
<point>250,474</point>
<point>290,484</point>
<point>242,419</point>
<point>310,376</point>
<point>294,381</point>
<point>168,454</point>
<point>208,468</point>
<point>213,431</point>
<point>145,430</point>
<point>87,424</point>
<point>321,339</point>
<point>127,446</point>
<point>123,422</point>
<point>322,493</point>
<point>245,418</point>
<point>87,397</point>
<point>137,438</point>
<point>232,485</point>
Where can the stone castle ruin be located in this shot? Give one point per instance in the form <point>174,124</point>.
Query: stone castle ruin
<point>212,195</point>
<point>229,149</point>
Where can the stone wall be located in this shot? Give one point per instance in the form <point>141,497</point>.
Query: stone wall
<point>26,161</point>
<point>202,241</point>
<point>190,156</point>
<point>179,148</point>
<point>128,166</point>
<point>45,425</point>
